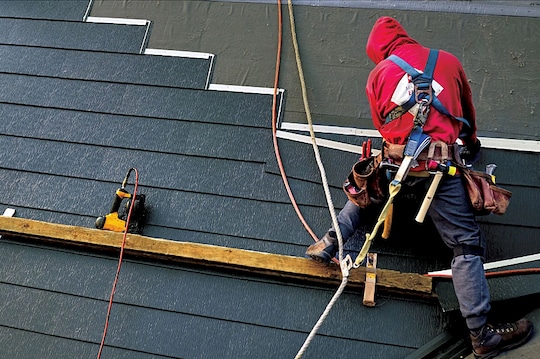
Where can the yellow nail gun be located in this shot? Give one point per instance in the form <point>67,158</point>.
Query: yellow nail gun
<point>117,218</point>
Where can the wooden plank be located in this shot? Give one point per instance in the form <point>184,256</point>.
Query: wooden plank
<point>211,256</point>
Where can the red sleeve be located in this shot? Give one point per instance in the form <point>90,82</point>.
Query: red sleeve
<point>469,112</point>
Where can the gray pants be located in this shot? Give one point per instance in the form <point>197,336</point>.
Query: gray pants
<point>452,215</point>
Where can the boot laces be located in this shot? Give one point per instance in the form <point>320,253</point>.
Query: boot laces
<point>503,328</point>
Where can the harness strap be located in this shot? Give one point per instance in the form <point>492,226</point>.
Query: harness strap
<point>422,82</point>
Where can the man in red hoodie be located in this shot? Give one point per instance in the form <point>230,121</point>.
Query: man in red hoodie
<point>390,89</point>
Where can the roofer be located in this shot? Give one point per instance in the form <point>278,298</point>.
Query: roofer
<point>389,88</point>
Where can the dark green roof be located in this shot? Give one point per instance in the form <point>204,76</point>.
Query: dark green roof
<point>81,105</point>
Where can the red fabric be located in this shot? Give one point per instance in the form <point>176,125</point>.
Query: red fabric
<point>388,37</point>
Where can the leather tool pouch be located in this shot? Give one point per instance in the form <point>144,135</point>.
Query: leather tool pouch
<point>365,183</point>
<point>485,196</point>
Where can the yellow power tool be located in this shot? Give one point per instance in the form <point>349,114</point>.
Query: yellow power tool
<point>116,220</point>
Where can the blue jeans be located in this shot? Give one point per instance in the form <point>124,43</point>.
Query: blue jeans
<point>452,215</point>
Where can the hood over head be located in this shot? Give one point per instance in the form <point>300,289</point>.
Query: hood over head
<point>386,36</point>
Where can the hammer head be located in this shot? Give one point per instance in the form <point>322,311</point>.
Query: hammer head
<point>491,168</point>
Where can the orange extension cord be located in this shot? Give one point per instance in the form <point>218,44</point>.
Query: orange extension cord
<point>274,128</point>
<point>120,258</point>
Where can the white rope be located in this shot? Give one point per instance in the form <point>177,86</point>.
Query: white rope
<point>322,318</point>
<point>343,264</point>
<point>312,132</point>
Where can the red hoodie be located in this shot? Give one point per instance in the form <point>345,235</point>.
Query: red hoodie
<point>387,81</point>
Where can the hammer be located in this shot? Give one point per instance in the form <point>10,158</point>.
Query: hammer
<point>441,169</point>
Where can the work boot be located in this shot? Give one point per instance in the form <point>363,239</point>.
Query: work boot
<point>324,249</point>
<point>491,340</point>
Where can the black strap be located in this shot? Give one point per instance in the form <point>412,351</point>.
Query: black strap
<point>464,249</point>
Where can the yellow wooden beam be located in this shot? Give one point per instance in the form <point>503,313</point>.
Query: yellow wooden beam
<point>269,264</point>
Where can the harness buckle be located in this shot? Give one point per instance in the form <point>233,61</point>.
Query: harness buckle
<point>423,93</point>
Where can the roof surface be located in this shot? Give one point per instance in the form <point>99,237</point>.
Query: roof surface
<point>82,104</point>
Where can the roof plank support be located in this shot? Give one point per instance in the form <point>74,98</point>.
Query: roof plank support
<point>268,264</point>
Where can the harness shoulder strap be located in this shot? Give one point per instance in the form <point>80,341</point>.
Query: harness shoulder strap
<point>422,82</point>
<point>427,76</point>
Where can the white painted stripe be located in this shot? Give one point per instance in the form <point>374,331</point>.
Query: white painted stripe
<point>322,142</point>
<point>174,53</point>
<point>494,265</point>
<point>245,89</point>
<point>487,142</point>
<point>114,20</point>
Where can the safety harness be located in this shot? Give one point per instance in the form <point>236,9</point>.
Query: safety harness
<point>424,97</point>
<point>423,88</point>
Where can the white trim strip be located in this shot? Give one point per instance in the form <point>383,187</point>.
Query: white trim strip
<point>510,144</point>
<point>492,265</point>
<point>114,20</point>
<point>210,72</point>
<point>8,212</point>
<point>350,131</point>
<point>174,53</point>
<point>487,142</point>
<point>447,273</point>
<point>245,89</point>
<point>322,142</point>
<point>88,8</point>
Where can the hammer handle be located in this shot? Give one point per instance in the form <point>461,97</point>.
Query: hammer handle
<point>429,197</point>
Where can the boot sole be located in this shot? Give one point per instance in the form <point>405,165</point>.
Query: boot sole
<point>505,348</point>
<point>320,257</point>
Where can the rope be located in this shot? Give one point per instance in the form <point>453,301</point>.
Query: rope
<point>343,264</point>
<point>322,318</point>
<point>120,258</point>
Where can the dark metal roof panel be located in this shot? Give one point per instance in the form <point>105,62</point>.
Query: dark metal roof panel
<point>158,305</point>
<point>44,9</point>
<point>181,137</point>
<point>156,70</point>
<point>247,109</point>
<point>167,310</point>
<point>73,35</point>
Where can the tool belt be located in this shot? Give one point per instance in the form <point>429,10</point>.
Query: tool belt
<point>368,181</point>
<point>484,195</point>
<point>436,153</point>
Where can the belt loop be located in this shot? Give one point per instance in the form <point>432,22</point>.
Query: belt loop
<point>431,152</point>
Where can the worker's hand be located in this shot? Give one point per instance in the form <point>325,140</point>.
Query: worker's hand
<point>471,151</point>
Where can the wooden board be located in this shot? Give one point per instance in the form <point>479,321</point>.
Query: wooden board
<point>208,255</point>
